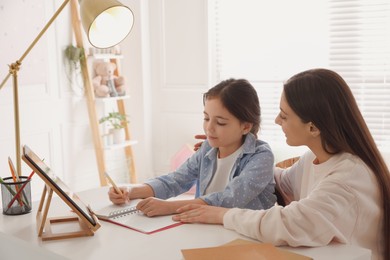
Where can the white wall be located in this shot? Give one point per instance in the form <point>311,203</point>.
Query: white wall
<point>180,74</point>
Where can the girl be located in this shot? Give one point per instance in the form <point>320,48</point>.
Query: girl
<point>337,191</point>
<point>231,169</point>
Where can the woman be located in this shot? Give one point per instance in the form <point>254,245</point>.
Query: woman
<point>232,169</point>
<point>338,191</point>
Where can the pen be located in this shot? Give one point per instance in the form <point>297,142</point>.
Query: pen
<point>20,190</point>
<point>13,193</point>
<point>8,188</point>
<point>113,183</point>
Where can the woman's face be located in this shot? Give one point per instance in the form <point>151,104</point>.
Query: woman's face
<point>223,129</point>
<point>297,133</point>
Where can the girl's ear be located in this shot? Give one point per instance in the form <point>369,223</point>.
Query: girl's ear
<point>247,127</point>
<point>314,131</point>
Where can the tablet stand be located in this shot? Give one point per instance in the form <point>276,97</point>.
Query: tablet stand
<point>44,224</point>
<point>87,220</point>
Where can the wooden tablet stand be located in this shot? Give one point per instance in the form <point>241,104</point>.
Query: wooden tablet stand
<point>44,224</point>
<point>87,220</point>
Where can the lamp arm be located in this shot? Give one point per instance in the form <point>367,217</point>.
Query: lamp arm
<point>13,70</point>
<point>5,80</point>
<point>42,32</point>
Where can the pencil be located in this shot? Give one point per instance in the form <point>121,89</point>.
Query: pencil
<point>20,190</point>
<point>113,183</point>
<point>15,177</point>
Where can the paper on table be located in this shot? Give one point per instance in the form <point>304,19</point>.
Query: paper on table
<point>233,252</point>
<point>243,250</point>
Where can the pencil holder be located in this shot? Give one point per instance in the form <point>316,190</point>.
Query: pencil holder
<point>16,196</point>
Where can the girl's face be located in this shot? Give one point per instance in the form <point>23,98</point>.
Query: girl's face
<point>223,130</point>
<point>297,133</point>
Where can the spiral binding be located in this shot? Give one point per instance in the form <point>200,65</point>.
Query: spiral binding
<point>123,212</point>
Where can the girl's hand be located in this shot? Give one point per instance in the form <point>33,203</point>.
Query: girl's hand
<point>116,198</point>
<point>156,207</point>
<point>195,213</point>
<point>198,145</point>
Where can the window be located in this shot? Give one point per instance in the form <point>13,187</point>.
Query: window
<point>360,52</point>
<point>267,42</point>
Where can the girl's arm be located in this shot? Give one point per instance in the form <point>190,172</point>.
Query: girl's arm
<point>179,181</point>
<point>128,193</point>
<point>156,207</point>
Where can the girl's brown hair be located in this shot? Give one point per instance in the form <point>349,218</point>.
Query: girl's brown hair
<point>240,98</point>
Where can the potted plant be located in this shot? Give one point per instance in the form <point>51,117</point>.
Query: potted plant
<point>74,55</point>
<point>117,122</point>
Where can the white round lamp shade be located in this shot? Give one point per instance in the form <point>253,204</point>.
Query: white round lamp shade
<point>106,22</point>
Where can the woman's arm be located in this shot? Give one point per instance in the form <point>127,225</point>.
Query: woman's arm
<point>285,173</point>
<point>330,213</point>
<point>199,144</point>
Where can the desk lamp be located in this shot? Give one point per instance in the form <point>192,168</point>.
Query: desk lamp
<point>106,22</point>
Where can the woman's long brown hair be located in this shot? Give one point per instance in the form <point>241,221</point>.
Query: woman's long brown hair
<point>322,97</point>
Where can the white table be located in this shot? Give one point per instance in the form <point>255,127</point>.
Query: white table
<point>114,242</point>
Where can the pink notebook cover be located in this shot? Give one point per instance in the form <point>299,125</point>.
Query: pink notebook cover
<point>144,231</point>
<point>128,216</point>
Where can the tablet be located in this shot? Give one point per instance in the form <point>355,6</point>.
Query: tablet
<point>58,186</point>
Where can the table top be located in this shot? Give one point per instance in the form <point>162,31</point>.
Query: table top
<point>111,241</point>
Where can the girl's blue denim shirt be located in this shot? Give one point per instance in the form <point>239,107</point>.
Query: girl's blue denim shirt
<point>251,180</point>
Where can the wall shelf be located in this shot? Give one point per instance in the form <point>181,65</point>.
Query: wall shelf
<point>109,99</point>
<point>119,146</point>
<point>97,136</point>
<point>105,56</point>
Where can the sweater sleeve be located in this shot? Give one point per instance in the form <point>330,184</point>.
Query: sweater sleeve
<point>329,213</point>
<point>288,181</point>
<point>282,187</point>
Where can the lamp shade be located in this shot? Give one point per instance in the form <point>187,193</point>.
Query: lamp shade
<point>106,22</point>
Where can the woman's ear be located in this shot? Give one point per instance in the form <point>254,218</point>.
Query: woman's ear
<point>314,131</point>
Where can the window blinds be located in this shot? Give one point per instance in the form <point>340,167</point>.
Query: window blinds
<point>360,51</point>
<point>266,42</point>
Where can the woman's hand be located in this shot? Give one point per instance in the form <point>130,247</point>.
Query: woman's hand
<point>156,207</point>
<point>195,213</point>
<point>198,145</point>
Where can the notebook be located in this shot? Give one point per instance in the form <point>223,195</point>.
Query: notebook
<point>128,216</point>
